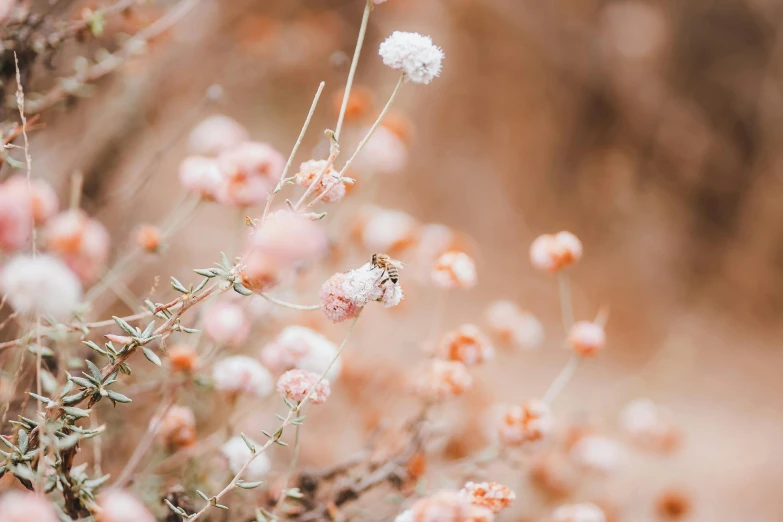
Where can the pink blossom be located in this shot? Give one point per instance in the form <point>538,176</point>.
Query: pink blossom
<point>466,344</point>
<point>250,170</point>
<point>216,134</point>
<point>530,422</point>
<point>387,230</point>
<point>287,237</point>
<point>447,506</point>
<point>200,175</point>
<point>454,269</point>
<point>16,223</point>
<point>491,495</point>
<point>120,506</point>
<point>587,338</point>
<point>598,453</point>
<point>82,242</point>
<point>303,348</point>
<point>552,253</point>
<point>19,506</point>
<point>384,153</point>
<point>335,303</point>
<point>40,194</point>
<point>579,513</point>
<point>309,170</point>
<point>295,384</point>
<point>260,272</point>
<point>42,285</point>
<point>240,373</point>
<point>443,379</point>
<point>513,325</point>
<point>178,427</point>
<point>227,323</point>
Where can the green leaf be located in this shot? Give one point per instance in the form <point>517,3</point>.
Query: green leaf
<point>14,163</point>
<point>249,444</point>
<point>43,350</point>
<point>206,272</point>
<point>22,440</point>
<point>176,285</point>
<point>75,398</point>
<point>202,495</point>
<point>94,371</point>
<point>238,288</point>
<point>201,285</point>
<point>151,356</point>
<point>128,329</point>
<point>117,397</point>
<point>148,331</point>
<point>79,381</point>
<point>249,485</point>
<point>76,412</point>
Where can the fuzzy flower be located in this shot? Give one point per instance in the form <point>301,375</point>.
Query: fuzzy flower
<point>309,170</point>
<point>454,269</point>
<point>552,253</point>
<point>227,324</point>
<point>38,196</point>
<point>491,495</point>
<point>41,285</point>
<point>648,425</point>
<point>514,325</point>
<point>148,238</point>
<point>178,428</point>
<point>82,242</point>
<point>120,506</point>
<point>384,153</point>
<point>294,384</point>
<point>598,453</point>
<point>587,338</point>
<point>413,54</point>
<point>18,506</point>
<point>260,272</point>
<point>303,348</point>
<point>532,421</point>
<point>443,379</point>
<point>237,453</point>
<point>384,230</point>
<point>200,175</point>
<point>553,473</point>
<point>579,513</point>
<point>242,374</point>
<point>183,358</point>
<point>467,345</point>
<point>446,506</point>
<point>342,295</point>
<point>287,237</point>
<point>16,223</point>
<point>250,170</point>
<point>216,134</point>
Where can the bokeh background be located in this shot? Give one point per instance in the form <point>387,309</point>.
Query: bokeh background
<point>651,129</point>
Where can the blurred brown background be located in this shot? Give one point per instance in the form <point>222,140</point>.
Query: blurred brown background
<point>651,129</point>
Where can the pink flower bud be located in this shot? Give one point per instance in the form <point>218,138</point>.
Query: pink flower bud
<point>295,384</point>
<point>200,175</point>
<point>552,253</point>
<point>491,495</point>
<point>587,338</point>
<point>119,506</point>
<point>242,374</point>
<point>18,506</point>
<point>579,513</point>
<point>449,506</point>
<point>227,324</point>
<point>216,134</point>
<point>532,421</point>
<point>287,237</point>
<point>178,428</point>
<point>309,170</point>
<point>300,347</point>
<point>16,223</point>
<point>443,379</point>
<point>250,170</point>
<point>82,242</point>
<point>39,194</point>
<point>454,269</point>
<point>514,326</point>
<point>467,345</point>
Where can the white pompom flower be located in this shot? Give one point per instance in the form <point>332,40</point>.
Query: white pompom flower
<point>237,453</point>
<point>413,54</point>
<point>42,285</point>
<point>242,374</point>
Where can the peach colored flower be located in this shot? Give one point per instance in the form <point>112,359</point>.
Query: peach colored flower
<point>40,196</point>
<point>309,170</point>
<point>120,506</point>
<point>19,506</point>
<point>295,384</point>
<point>200,175</point>
<point>552,253</point>
<point>443,379</point>
<point>42,285</point>
<point>148,238</point>
<point>250,171</point>
<point>384,153</point>
<point>579,513</point>
<point>467,345</point>
<point>183,358</point>
<point>16,223</point>
<point>237,454</point>
<point>447,506</point>
<point>335,303</point>
<point>598,453</point>
<point>513,325</point>
<point>649,425</point>
<point>491,495</point>
<point>178,428</point>
<point>286,237</point>
<point>227,323</point>
<point>530,422</point>
<point>216,134</point>
<point>343,294</point>
<point>587,338</point>
<point>454,269</point>
<point>82,242</point>
<point>303,348</point>
<point>240,373</point>
<point>386,230</point>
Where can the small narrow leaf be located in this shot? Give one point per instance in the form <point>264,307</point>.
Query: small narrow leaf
<point>118,397</point>
<point>249,444</point>
<point>151,356</point>
<point>124,325</point>
<point>206,272</point>
<point>238,288</point>
<point>249,485</point>
<point>94,370</point>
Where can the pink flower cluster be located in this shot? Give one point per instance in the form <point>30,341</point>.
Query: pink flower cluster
<point>451,506</point>
<point>529,422</point>
<point>21,206</point>
<point>491,495</point>
<point>295,385</point>
<point>344,294</point>
<point>553,252</point>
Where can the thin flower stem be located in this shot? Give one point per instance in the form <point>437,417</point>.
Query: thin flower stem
<point>361,145</point>
<point>566,303</point>
<point>352,72</point>
<point>562,379</point>
<point>290,473</point>
<point>279,186</point>
<point>277,434</point>
<point>333,153</point>
<point>289,305</point>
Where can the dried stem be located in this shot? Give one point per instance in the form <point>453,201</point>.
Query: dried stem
<point>352,72</point>
<point>289,305</point>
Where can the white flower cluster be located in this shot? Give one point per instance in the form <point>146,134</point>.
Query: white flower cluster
<point>414,54</point>
<point>370,283</point>
<point>237,453</point>
<point>244,374</point>
<point>42,285</point>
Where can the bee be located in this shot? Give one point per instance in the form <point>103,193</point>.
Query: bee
<point>388,265</point>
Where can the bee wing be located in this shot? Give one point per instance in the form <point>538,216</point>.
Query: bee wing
<point>396,263</point>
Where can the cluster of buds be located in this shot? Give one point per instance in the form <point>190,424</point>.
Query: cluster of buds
<point>491,495</point>
<point>529,422</point>
<point>303,348</point>
<point>554,252</point>
<point>296,385</point>
<point>453,506</point>
<point>467,345</point>
<point>514,326</point>
<point>178,428</point>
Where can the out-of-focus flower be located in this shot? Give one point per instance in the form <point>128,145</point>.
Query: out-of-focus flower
<point>598,453</point>
<point>491,495</point>
<point>553,473</point>
<point>555,252</point>
<point>579,513</point>
<point>376,2</point>
<point>303,348</point>
<point>446,506</point>
<point>260,272</point>
<point>443,379</point>
<point>237,453</point>
<point>18,506</point>
<point>216,134</point>
<point>120,506</point>
<point>413,54</point>
<point>384,153</point>
<point>467,345</point>
<point>16,223</point>
<point>514,325</point>
<point>287,237</point>
<point>636,29</point>
<point>294,384</point>
<point>648,425</point>
<point>382,230</point>
<point>250,170</point>
<point>178,428</point>
<point>343,294</point>
<point>183,358</point>
<point>200,175</point>
<point>398,124</point>
<point>673,505</point>
<point>148,238</point>
<point>42,284</point>
<point>242,374</point>
<point>530,422</point>
<point>227,323</point>
<point>587,338</point>
<point>454,269</point>
<point>38,195</point>
<point>360,101</point>
<point>308,172</point>
<point>82,242</point>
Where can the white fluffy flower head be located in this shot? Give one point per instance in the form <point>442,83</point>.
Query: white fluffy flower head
<point>42,284</point>
<point>370,283</point>
<point>414,54</point>
<point>242,374</point>
<point>237,453</point>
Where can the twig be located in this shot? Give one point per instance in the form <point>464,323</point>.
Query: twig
<point>352,72</point>
<point>289,305</point>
